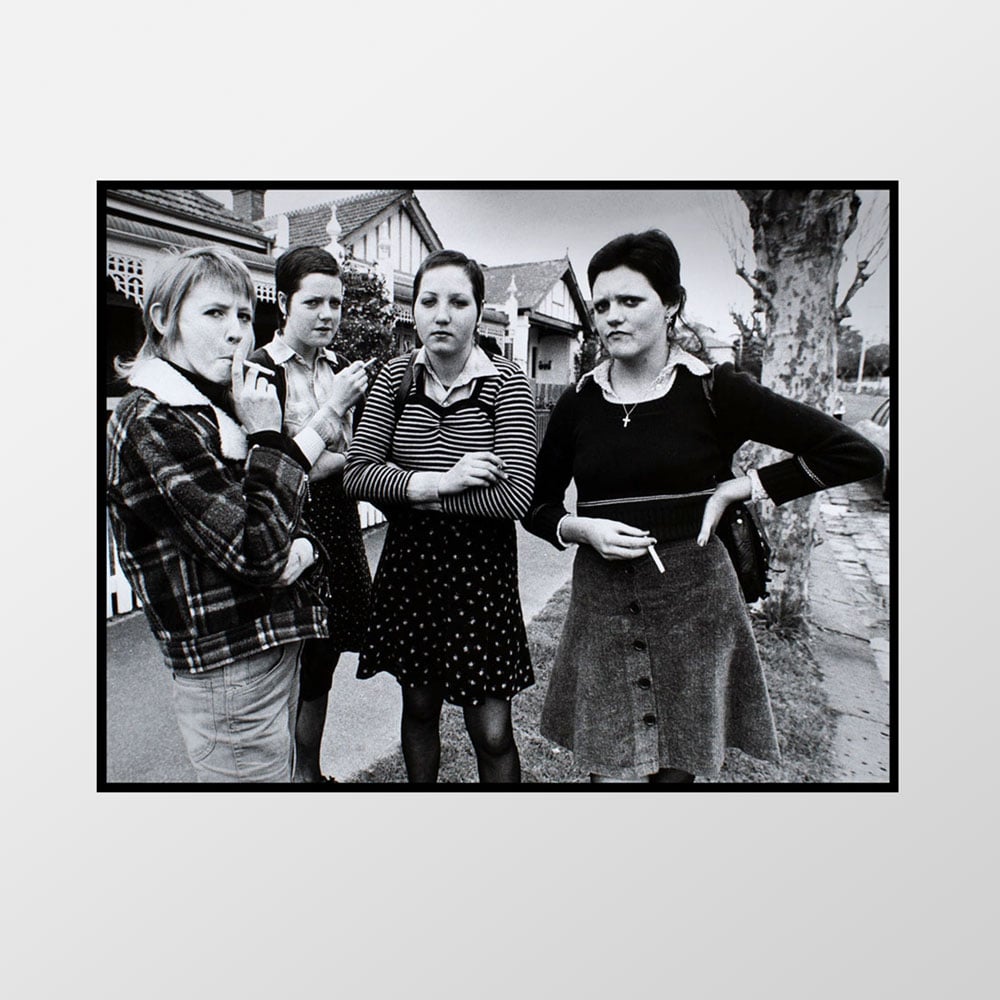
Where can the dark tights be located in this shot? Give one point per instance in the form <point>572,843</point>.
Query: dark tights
<point>489,726</point>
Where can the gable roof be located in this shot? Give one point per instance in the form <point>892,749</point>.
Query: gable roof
<point>354,212</point>
<point>533,281</point>
<point>307,226</point>
<point>186,203</point>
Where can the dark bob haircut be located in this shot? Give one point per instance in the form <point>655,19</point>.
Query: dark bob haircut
<point>453,258</point>
<point>652,254</point>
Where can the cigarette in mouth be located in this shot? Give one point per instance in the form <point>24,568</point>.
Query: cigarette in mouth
<point>656,559</point>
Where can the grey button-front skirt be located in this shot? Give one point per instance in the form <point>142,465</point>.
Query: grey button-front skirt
<point>658,670</point>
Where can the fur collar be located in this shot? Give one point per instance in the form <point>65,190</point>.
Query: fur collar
<point>170,387</point>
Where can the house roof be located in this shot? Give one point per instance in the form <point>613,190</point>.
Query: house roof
<point>187,204</point>
<point>157,235</point>
<point>533,281</point>
<point>354,212</point>
<point>307,226</point>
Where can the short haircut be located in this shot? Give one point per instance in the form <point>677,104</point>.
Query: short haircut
<point>294,265</point>
<point>453,258</point>
<point>169,284</point>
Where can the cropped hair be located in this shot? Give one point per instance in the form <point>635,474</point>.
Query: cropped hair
<point>175,276</point>
<point>454,258</point>
<point>294,265</point>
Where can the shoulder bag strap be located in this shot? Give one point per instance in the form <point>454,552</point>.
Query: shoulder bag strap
<point>404,384</point>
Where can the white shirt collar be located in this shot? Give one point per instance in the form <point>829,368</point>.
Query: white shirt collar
<point>663,381</point>
<point>477,365</point>
<point>280,351</point>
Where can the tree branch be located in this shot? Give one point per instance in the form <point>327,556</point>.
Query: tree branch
<point>862,275</point>
<point>761,295</point>
<point>872,249</point>
<point>749,330</point>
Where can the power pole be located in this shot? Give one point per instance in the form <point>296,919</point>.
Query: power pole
<point>861,364</point>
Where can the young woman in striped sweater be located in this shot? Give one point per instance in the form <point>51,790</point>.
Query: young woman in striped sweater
<point>446,448</point>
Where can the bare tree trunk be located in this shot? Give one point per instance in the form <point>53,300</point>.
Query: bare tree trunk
<point>798,242</point>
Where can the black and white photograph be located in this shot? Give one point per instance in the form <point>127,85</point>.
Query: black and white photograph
<point>503,509</point>
<point>555,498</point>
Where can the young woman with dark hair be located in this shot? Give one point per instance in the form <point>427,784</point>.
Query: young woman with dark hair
<point>446,448</point>
<point>310,292</point>
<point>657,671</point>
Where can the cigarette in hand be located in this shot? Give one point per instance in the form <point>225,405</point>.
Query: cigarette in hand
<point>656,559</point>
<point>258,369</point>
<point>368,364</point>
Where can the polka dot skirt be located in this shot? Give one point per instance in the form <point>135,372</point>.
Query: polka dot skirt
<point>446,608</point>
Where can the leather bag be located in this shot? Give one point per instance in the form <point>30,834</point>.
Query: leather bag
<point>743,537</point>
<point>748,548</point>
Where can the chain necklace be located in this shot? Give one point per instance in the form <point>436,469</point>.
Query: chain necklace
<point>627,419</point>
<point>629,408</point>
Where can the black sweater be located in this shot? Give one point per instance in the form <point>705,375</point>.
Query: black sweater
<point>657,473</point>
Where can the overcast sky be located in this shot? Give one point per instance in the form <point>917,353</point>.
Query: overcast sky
<point>513,225</point>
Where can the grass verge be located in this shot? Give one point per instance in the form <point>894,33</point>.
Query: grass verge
<point>802,716</point>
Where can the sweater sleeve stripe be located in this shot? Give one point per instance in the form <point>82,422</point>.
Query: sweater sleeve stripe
<point>366,474</point>
<point>515,442</point>
<point>432,439</point>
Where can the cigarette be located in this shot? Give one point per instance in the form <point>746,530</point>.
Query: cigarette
<point>368,364</point>
<point>656,559</point>
<point>258,369</point>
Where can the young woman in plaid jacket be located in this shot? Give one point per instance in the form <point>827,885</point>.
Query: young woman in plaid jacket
<point>205,495</point>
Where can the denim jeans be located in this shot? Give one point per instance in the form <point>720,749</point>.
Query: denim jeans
<point>238,721</point>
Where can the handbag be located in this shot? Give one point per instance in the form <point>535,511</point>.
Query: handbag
<point>743,537</point>
<point>748,548</point>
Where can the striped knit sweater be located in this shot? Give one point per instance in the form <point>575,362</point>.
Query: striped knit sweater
<point>498,417</point>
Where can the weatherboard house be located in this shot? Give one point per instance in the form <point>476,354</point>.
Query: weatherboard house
<point>547,315</point>
<point>387,230</point>
<point>381,229</point>
<point>534,311</point>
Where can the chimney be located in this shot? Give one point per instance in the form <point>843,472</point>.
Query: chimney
<point>248,205</point>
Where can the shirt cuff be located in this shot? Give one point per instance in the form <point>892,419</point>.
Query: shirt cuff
<point>757,491</point>
<point>310,444</point>
<point>562,541</point>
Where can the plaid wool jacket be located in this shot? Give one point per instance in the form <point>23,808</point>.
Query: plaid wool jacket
<point>204,527</point>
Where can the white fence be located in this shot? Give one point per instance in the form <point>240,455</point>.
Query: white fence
<point>121,599</point>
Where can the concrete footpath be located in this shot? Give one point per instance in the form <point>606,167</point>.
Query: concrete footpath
<point>849,588</point>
